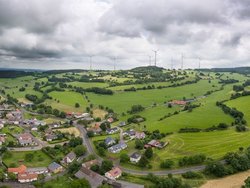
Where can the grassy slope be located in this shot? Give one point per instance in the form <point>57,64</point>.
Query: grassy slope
<point>121,102</point>
<point>67,101</point>
<point>242,104</point>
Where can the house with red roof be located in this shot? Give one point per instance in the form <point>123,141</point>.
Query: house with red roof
<point>27,177</point>
<point>114,173</point>
<point>20,169</point>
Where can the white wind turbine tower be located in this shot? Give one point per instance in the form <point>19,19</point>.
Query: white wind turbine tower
<point>90,62</point>
<point>182,61</point>
<point>155,51</point>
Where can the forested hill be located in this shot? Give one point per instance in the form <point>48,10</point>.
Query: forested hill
<point>147,69</point>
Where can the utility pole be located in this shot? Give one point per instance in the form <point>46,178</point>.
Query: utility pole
<point>155,51</point>
<point>149,60</point>
<point>182,61</point>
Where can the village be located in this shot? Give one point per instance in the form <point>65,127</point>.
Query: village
<point>20,134</point>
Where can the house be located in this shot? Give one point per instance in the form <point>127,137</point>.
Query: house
<point>114,173</point>
<point>27,177</point>
<point>89,164</point>
<point>178,102</point>
<point>109,141</point>
<point>25,139</point>
<point>156,144</point>
<point>140,135</point>
<point>139,119</point>
<point>112,130</point>
<point>55,168</point>
<point>1,125</point>
<point>135,157</point>
<point>69,158</point>
<point>50,137</point>
<point>117,148</point>
<point>96,128</point>
<point>110,120</point>
<point>122,124</point>
<point>20,169</point>
<point>130,133</point>
<point>37,170</point>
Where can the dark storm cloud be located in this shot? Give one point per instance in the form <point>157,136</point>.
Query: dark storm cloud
<point>42,17</point>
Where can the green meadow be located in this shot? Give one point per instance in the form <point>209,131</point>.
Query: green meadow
<point>65,101</point>
<point>243,105</point>
<point>122,101</point>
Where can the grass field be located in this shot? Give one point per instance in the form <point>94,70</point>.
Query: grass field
<point>121,102</point>
<point>243,105</point>
<point>67,100</point>
<point>88,84</point>
<point>17,158</point>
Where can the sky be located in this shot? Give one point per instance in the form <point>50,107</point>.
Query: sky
<point>121,34</point>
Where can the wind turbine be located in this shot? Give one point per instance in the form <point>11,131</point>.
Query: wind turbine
<point>155,51</point>
<point>182,63</point>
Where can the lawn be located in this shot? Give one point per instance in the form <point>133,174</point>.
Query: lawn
<point>67,100</point>
<point>242,104</point>
<point>17,158</point>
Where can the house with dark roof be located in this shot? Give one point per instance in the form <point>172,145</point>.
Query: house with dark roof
<point>55,168</point>
<point>117,148</point>
<point>122,124</point>
<point>112,130</point>
<point>93,178</point>
<point>69,158</point>
<point>50,137</point>
<point>156,144</point>
<point>130,133</point>
<point>109,141</point>
<point>135,157</point>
